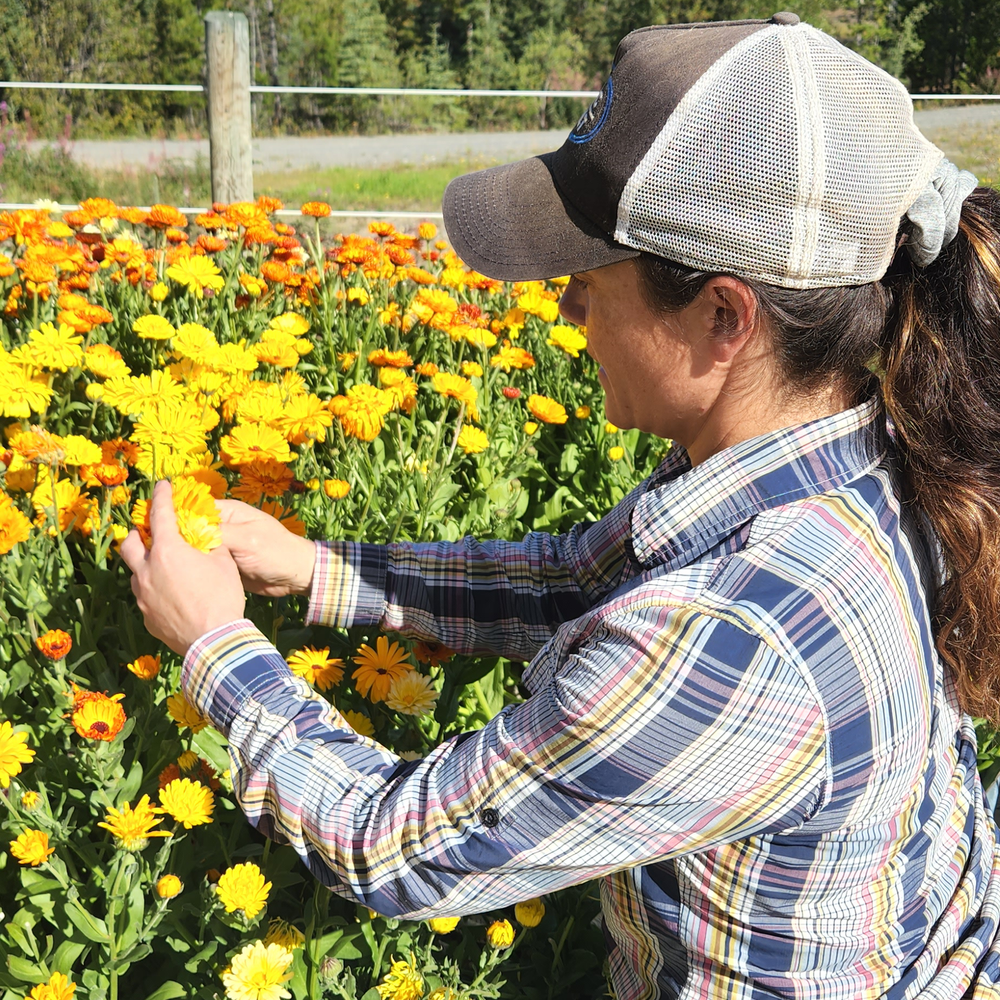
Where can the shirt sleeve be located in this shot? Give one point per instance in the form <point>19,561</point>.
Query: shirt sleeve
<point>505,598</point>
<point>662,731</point>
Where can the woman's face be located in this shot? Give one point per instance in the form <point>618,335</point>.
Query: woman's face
<point>653,368</point>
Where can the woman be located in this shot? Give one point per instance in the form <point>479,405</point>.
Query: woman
<point>749,680</point>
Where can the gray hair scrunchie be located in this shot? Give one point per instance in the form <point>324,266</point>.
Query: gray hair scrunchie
<point>934,216</point>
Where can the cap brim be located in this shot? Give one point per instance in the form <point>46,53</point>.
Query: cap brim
<point>511,223</point>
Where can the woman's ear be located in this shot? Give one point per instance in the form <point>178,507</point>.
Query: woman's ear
<point>734,315</point>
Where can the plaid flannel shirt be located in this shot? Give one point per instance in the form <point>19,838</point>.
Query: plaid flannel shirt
<point>737,721</point>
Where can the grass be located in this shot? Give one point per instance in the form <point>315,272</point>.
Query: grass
<point>26,177</point>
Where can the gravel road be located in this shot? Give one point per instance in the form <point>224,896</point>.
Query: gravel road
<point>942,125</point>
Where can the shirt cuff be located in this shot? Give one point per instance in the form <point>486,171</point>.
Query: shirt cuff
<point>348,584</point>
<point>210,674</point>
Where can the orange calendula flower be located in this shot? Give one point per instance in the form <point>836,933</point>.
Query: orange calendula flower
<point>316,666</point>
<point>14,751</point>
<point>377,668</point>
<point>361,411</point>
<point>145,667</point>
<point>317,209</point>
<point>547,410</point>
<point>32,848</point>
<point>432,652</point>
<point>165,217</point>
<point>54,644</point>
<point>427,230</point>
<point>189,802</point>
<point>96,716</point>
<point>265,478</point>
<point>394,359</point>
<point>105,362</point>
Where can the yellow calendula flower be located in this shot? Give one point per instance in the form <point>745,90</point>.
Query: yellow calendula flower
<point>14,751</point>
<point>568,339</point>
<point>336,489</point>
<point>472,369</point>
<point>196,273</point>
<point>194,341</point>
<point>412,694</point>
<point>402,982</point>
<point>536,302</point>
<point>472,440</point>
<point>31,848</point>
<point>282,932</point>
<point>105,362</point>
<point>185,714</point>
<point>610,428</point>
<point>530,912</point>
<point>443,925</point>
<point>242,887</point>
<point>189,802</point>
<point>581,412</point>
<point>59,987</point>
<point>360,723</point>
<point>248,443</point>
<point>14,526</point>
<point>616,454</point>
<point>459,388</point>
<point>22,393</point>
<point>316,666</point>
<point>198,519</point>
<point>377,668</point>
<point>153,328</point>
<point>291,323</point>
<point>530,427</point>
<point>500,934</point>
<point>169,886</point>
<point>132,828</point>
<point>30,799</point>
<point>257,972</point>
<point>159,292</point>
<point>509,358</point>
<point>56,349</point>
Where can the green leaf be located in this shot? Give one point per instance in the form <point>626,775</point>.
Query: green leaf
<point>92,928</point>
<point>372,994</point>
<point>168,991</point>
<point>30,972</point>
<point>128,788</point>
<point>22,937</point>
<point>212,744</point>
<point>134,915</point>
<point>66,955</point>
<point>33,884</point>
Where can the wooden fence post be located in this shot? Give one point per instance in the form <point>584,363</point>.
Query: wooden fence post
<point>227,51</point>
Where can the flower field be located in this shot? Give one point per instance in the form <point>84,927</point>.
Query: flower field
<point>359,387</point>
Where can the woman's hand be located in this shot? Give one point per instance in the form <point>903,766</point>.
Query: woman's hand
<point>272,561</point>
<point>181,592</point>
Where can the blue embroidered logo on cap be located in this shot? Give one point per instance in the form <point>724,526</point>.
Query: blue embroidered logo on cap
<point>592,120</point>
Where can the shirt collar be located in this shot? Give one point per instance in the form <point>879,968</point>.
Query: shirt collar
<point>677,522</point>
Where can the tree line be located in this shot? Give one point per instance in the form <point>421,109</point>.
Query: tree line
<point>933,45</point>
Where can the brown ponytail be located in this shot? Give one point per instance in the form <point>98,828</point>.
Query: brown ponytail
<point>935,334</point>
<point>942,391</point>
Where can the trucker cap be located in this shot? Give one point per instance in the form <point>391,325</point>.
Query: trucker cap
<point>761,148</point>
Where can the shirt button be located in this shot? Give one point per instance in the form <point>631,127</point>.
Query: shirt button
<point>490,818</point>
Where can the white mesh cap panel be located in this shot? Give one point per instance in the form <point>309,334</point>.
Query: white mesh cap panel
<point>756,171</point>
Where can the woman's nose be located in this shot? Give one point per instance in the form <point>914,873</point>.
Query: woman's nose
<point>573,303</point>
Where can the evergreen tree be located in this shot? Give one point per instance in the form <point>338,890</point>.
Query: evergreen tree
<point>367,59</point>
